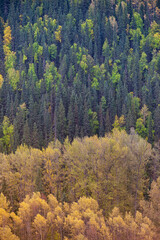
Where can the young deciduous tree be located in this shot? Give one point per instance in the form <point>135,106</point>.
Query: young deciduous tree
<point>7,139</point>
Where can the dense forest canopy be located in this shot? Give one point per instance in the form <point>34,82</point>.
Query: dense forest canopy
<point>92,189</point>
<point>68,68</point>
<point>79,119</point>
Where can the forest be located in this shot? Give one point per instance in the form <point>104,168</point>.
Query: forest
<point>79,119</point>
<point>91,189</point>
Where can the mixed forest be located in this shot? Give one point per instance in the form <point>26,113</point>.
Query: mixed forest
<point>79,119</point>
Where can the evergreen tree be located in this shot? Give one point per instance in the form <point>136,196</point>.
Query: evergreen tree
<point>107,122</point>
<point>157,122</point>
<point>26,134</point>
<point>61,122</point>
<point>35,137</point>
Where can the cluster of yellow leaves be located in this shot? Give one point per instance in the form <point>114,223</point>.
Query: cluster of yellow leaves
<point>10,57</point>
<point>58,34</point>
<point>19,172</point>
<point>151,208</point>
<point>119,122</point>
<point>39,218</point>
<point>7,220</point>
<point>1,81</point>
<point>137,228</point>
<point>7,39</point>
<point>85,219</point>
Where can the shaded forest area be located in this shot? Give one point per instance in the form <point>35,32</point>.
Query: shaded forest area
<point>68,68</point>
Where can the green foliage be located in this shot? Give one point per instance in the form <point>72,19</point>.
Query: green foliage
<point>7,139</point>
<point>138,20</point>
<point>31,72</point>
<point>119,123</point>
<point>37,49</point>
<point>140,128</point>
<point>10,60</point>
<point>154,36</point>
<point>13,77</point>
<point>115,77</point>
<point>52,51</point>
<point>83,63</point>
<point>105,53</point>
<point>89,25</point>
<point>105,78</point>
<point>24,58</point>
<point>143,62</point>
<point>94,124</point>
<point>51,76</point>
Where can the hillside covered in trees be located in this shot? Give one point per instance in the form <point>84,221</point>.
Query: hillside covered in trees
<point>79,119</point>
<point>69,67</point>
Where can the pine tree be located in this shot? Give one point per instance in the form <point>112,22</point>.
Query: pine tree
<point>61,122</point>
<point>26,134</point>
<point>150,129</point>
<point>35,137</point>
<point>71,121</point>
<point>107,122</point>
<point>157,122</point>
<point>86,124</point>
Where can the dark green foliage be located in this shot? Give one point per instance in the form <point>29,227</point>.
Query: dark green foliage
<point>35,136</point>
<point>77,65</point>
<point>26,134</point>
<point>61,122</point>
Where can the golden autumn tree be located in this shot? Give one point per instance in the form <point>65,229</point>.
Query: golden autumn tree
<point>127,227</point>
<point>33,212</point>
<point>85,221</point>
<point>51,170</point>
<point>19,172</point>
<point>110,169</point>
<point>58,34</point>
<point>151,208</point>
<point>1,81</point>
<point>40,225</point>
<point>7,39</point>
<point>5,220</point>
<point>10,58</point>
<point>55,217</point>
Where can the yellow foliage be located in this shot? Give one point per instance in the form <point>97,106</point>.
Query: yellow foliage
<point>137,228</point>
<point>1,81</point>
<point>7,39</point>
<point>16,220</point>
<point>58,33</point>
<point>85,216</point>
<point>24,211</point>
<point>7,35</point>
<point>74,225</point>
<point>40,224</point>
<point>5,220</point>
<point>6,234</point>
<point>119,122</point>
<point>81,220</point>
<point>81,237</point>
<point>13,76</point>
<point>53,203</point>
<point>4,217</point>
<point>4,203</point>
<point>6,50</point>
